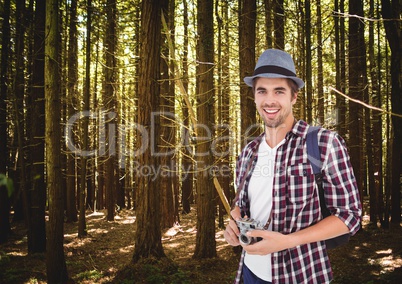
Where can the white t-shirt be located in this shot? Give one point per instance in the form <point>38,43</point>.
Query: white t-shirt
<point>260,196</point>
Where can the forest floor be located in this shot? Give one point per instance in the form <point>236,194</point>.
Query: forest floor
<point>372,256</point>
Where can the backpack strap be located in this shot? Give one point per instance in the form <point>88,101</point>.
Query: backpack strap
<point>314,157</point>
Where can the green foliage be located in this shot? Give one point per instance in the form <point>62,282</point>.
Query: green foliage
<point>4,258</point>
<point>8,183</point>
<point>93,275</point>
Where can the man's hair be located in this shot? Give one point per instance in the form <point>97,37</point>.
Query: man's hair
<point>294,89</point>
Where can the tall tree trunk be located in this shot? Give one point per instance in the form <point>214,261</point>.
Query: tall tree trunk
<point>247,32</point>
<point>222,147</point>
<point>269,23</point>
<point>205,246</point>
<point>356,87</point>
<point>167,134</point>
<point>148,234</point>
<point>18,99</point>
<point>37,188</point>
<point>279,24</point>
<point>375,171</point>
<point>5,41</point>
<point>391,10</point>
<point>309,76</point>
<point>72,83</point>
<point>342,58</point>
<point>55,261</point>
<point>82,226</point>
<point>320,75</point>
<point>187,196</point>
<point>110,105</point>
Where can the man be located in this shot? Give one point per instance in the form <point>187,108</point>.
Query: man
<point>276,186</point>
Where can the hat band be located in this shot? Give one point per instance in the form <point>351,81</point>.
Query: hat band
<point>273,69</point>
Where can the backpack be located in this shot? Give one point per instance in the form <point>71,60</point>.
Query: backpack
<point>314,157</point>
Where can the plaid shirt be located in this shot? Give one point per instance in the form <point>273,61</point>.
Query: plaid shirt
<point>295,204</point>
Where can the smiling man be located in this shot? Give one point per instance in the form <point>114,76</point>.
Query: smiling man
<point>276,186</point>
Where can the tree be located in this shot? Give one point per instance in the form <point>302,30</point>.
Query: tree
<point>356,87</point>
<point>83,189</point>
<point>320,75</point>
<point>72,85</point>
<point>187,164</point>
<point>110,106</point>
<point>205,246</point>
<point>5,41</point>
<point>148,233</point>
<point>309,83</point>
<point>36,129</point>
<point>279,24</point>
<point>391,11</point>
<point>340,66</point>
<point>55,261</point>
<point>167,132</point>
<point>247,23</point>
<point>374,138</point>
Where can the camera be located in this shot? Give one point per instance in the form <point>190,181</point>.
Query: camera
<point>245,225</point>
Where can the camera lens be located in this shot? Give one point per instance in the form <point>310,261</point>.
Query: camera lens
<point>244,239</point>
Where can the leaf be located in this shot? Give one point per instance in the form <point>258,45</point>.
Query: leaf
<point>8,183</point>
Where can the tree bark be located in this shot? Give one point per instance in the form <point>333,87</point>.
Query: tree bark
<point>309,83</point>
<point>205,246</point>
<point>5,41</point>
<point>111,109</point>
<point>148,233</point>
<point>188,167</point>
<point>391,10</point>
<point>55,261</point>
<point>279,24</point>
<point>247,34</point>
<point>72,83</point>
<point>37,188</point>
<point>356,87</point>
<point>167,131</point>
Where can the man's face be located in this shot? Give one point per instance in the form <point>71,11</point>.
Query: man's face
<point>273,99</point>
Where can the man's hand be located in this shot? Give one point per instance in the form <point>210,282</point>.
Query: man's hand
<point>232,231</point>
<point>271,242</point>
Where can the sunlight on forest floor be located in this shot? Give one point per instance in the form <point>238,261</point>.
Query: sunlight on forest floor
<point>372,256</point>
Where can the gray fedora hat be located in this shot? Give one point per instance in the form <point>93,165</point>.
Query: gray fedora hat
<point>275,63</point>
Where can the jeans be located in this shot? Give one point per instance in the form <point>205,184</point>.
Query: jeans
<point>250,278</point>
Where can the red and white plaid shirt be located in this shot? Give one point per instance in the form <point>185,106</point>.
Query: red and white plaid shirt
<point>296,203</point>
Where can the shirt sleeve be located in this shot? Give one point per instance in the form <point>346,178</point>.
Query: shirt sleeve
<point>340,187</point>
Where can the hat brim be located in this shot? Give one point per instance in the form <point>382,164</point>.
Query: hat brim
<point>249,80</point>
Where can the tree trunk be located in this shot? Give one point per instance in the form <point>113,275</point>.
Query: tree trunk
<point>72,83</point>
<point>320,75</point>
<point>5,41</point>
<point>166,148</point>
<point>205,246</point>
<point>148,233</point>
<point>375,177</point>
<point>55,260</point>
<point>37,188</point>
<point>247,32</point>
<point>187,197</point>
<point>82,226</point>
<point>279,24</point>
<point>356,50</point>
<point>269,23</point>
<point>309,83</point>
<point>111,109</point>
<point>391,10</point>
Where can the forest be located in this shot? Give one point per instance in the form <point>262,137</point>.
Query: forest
<point>121,122</point>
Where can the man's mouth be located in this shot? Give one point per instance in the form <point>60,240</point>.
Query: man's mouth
<point>271,111</point>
